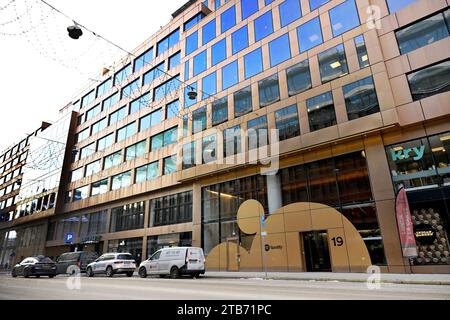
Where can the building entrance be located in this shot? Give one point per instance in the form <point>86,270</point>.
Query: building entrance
<point>315,251</point>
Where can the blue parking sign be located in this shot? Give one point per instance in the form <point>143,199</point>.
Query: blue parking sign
<point>69,237</point>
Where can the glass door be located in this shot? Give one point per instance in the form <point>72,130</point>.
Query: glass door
<point>316,252</point>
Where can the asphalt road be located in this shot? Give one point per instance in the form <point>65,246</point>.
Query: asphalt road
<point>121,287</point>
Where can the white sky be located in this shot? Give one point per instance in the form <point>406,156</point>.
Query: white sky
<point>33,87</point>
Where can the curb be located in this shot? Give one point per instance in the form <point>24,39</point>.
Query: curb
<point>419,282</point>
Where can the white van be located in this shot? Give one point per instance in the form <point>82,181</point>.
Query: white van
<point>174,261</point>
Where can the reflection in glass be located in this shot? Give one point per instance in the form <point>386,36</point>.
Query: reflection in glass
<point>430,81</point>
<point>298,78</point>
<point>332,63</point>
<point>361,98</point>
<point>321,112</point>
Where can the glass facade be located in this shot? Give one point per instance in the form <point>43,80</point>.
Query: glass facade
<point>132,246</point>
<point>396,5</point>
<point>209,149</point>
<point>361,51</point>
<point>172,209</point>
<point>209,85</point>
<point>199,63</point>
<point>422,167</point>
<point>257,132</point>
<point>198,120</point>
<point>232,141</point>
<point>219,52</point>
<point>188,155</point>
<point>128,217</point>
<point>220,203</point>
<point>147,172</point>
<point>209,32</point>
<point>248,7</point>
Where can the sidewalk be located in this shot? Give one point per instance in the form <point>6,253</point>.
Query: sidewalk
<point>432,279</point>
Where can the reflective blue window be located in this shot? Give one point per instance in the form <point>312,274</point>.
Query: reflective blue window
<point>396,5</point>
<point>314,4</point>
<point>174,60</point>
<point>309,34</point>
<point>199,63</point>
<point>172,109</point>
<point>344,17</point>
<point>194,20</point>
<point>154,73</point>
<point>186,70</point>
<point>110,101</point>
<point>166,88</point>
<point>130,88</point>
<point>188,102</point>
<point>191,43</point>
<point>253,63</point>
<point>279,50</point>
<point>122,74</point>
<point>169,41</point>
<point>209,86</point>
<point>290,11</point>
<point>228,19</point>
<point>219,52</point>
<point>249,7</point>
<point>143,59</point>
<point>140,103</point>
<point>104,87</point>
<point>267,2</point>
<point>209,32</point>
<point>239,39</point>
<point>263,26</point>
<point>216,4</point>
<point>230,75</point>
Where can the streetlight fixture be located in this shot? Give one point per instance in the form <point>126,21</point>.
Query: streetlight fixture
<point>74,31</point>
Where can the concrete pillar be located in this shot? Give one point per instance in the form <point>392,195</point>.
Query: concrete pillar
<point>274,193</point>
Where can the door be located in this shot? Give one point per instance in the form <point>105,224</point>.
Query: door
<point>233,254</point>
<point>315,251</point>
<point>153,264</point>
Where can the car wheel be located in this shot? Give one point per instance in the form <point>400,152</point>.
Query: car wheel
<point>143,272</point>
<point>174,273</point>
<point>109,272</point>
<point>89,272</point>
<point>13,274</point>
<point>26,273</point>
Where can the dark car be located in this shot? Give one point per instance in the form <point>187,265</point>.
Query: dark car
<point>36,267</point>
<point>70,261</point>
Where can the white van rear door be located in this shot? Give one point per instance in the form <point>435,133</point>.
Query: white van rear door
<point>195,259</point>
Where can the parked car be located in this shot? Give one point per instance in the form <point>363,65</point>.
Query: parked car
<point>111,264</point>
<point>67,262</point>
<point>35,266</point>
<point>175,261</point>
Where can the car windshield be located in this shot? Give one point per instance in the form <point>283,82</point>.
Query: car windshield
<point>44,260</point>
<point>125,257</point>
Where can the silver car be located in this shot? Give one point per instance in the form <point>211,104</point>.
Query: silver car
<point>111,264</point>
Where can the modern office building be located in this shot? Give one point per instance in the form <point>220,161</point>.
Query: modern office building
<point>178,137</point>
<point>12,167</point>
<point>42,157</point>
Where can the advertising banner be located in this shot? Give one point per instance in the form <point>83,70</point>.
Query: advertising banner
<point>404,224</point>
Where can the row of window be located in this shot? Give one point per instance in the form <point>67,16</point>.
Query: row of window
<point>123,180</point>
<point>11,164</point>
<point>12,152</point>
<point>343,18</point>
<point>167,210</point>
<point>332,65</point>
<point>130,89</point>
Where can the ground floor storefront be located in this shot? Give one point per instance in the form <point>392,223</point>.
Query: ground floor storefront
<point>328,209</point>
